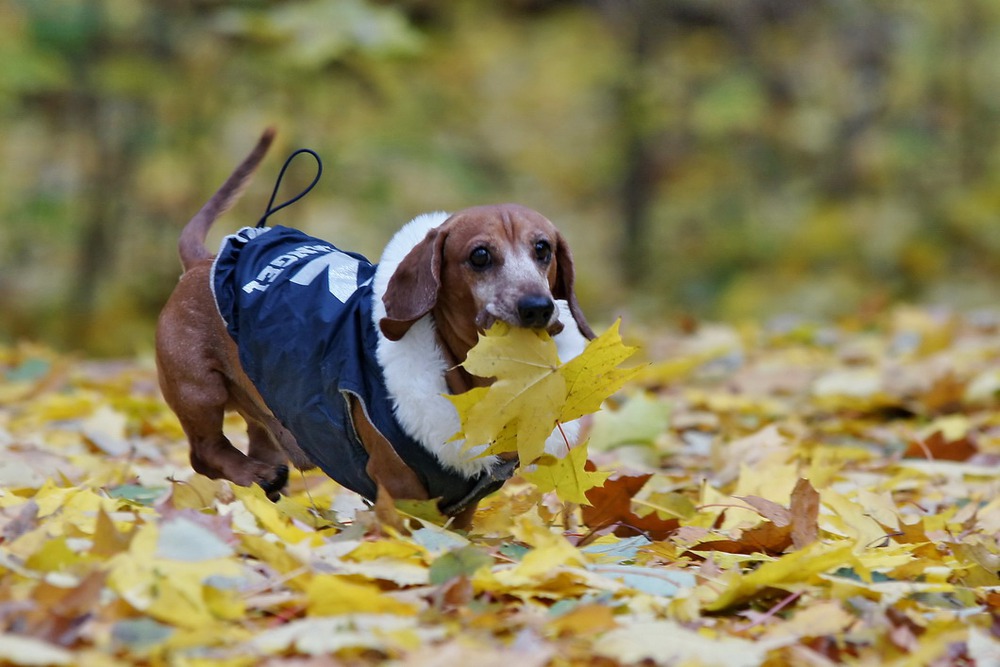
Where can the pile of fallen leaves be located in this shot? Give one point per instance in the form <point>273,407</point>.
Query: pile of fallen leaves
<point>789,494</point>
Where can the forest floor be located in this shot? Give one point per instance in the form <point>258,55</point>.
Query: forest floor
<point>788,494</point>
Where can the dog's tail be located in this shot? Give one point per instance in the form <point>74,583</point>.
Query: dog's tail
<point>192,242</point>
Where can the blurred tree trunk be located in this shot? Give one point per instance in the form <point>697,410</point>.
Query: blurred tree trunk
<point>639,173</point>
<point>638,25</point>
<point>109,123</point>
<point>867,45</point>
<point>972,30</point>
<point>648,151</point>
<point>108,181</point>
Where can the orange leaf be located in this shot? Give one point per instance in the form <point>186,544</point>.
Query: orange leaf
<point>938,448</point>
<point>611,505</point>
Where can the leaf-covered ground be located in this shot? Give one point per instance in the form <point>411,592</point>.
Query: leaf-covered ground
<point>787,494</point>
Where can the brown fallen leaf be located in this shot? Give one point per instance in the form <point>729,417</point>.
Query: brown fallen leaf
<point>766,538</point>
<point>786,527</point>
<point>107,539</point>
<point>60,612</point>
<point>387,514</point>
<point>938,448</point>
<point>611,505</point>
<point>804,512</point>
<point>453,594</point>
<point>769,509</point>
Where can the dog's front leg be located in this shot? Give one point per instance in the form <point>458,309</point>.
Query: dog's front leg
<point>385,467</point>
<point>463,519</point>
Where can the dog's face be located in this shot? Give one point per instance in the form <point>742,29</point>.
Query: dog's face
<point>501,264</point>
<point>484,264</point>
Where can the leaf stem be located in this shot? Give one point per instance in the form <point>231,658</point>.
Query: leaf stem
<point>658,508</point>
<point>563,434</point>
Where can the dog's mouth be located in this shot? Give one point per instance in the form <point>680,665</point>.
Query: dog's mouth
<point>491,315</point>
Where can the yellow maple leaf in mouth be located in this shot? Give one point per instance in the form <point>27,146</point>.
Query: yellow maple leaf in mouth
<point>533,391</point>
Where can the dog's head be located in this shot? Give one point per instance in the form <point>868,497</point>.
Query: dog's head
<point>484,264</point>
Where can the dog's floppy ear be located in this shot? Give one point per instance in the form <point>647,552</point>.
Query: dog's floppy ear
<point>413,287</point>
<point>563,288</point>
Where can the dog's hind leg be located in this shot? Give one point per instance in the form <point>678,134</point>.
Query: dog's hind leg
<point>265,449</point>
<point>263,445</point>
<point>270,441</point>
<point>201,414</point>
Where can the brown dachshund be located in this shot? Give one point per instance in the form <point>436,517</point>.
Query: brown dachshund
<point>338,363</point>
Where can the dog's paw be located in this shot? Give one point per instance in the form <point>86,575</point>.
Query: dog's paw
<point>273,486</point>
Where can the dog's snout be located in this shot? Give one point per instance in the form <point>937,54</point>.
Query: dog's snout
<point>535,311</point>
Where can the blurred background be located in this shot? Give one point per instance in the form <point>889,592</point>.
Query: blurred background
<point>705,158</point>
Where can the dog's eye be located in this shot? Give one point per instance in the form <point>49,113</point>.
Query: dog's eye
<point>480,258</point>
<point>543,251</point>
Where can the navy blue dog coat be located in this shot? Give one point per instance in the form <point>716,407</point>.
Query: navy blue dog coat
<point>300,311</point>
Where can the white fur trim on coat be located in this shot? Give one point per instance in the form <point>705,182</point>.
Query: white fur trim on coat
<point>415,367</point>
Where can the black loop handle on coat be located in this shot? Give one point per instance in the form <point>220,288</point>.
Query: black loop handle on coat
<point>271,209</point>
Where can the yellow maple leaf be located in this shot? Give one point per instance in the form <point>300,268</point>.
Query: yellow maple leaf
<point>174,591</point>
<point>594,375</point>
<point>331,595</point>
<point>794,568</point>
<point>549,558</point>
<point>528,389</point>
<point>566,476</point>
<point>277,518</point>
<point>533,390</point>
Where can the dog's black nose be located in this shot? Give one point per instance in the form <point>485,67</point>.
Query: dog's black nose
<point>535,311</point>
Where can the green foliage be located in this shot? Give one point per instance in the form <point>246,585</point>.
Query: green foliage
<point>710,158</point>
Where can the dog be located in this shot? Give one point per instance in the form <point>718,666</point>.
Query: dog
<point>337,363</point>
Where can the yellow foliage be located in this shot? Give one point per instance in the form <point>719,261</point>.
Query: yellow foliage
<point>719,543</point>
<point>789,571</point>
<point>271,516</point>
<point>332,595</point>
<point>170,590</point>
